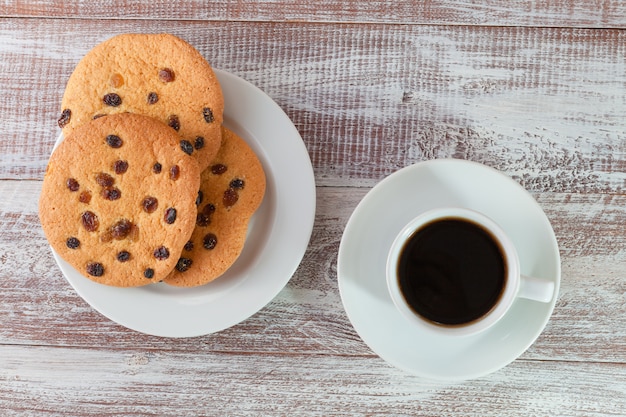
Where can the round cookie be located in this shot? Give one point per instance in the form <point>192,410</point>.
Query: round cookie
<point>157,75</point>
<point>118,199</point>
<point>231,190</point>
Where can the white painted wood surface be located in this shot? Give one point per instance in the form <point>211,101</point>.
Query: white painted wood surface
<point>535,89</point>
<point>572,13</point>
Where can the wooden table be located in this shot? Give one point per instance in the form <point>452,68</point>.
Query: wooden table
<point>534,89</point>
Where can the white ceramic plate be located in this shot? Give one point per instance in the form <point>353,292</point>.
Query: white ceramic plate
<point>380,216</point>
<point>278,235</point>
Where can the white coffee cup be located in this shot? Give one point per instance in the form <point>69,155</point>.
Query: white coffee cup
<point>513,283</point>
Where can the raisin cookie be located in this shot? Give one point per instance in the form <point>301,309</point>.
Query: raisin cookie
<point>118,199</point>
<point>231,190</point>
<point>158,75</point>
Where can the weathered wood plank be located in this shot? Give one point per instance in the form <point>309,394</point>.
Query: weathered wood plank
<point>578,13</point>
<point>38,307</point>
<point>45,381</point>
<point>544,105</point>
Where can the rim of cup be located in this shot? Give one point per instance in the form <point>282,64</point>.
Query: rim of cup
<point>508,293</point>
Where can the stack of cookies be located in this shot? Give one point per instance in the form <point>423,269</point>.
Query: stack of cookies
<point>148,185</point>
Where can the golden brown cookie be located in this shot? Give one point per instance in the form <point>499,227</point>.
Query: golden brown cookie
<point>118,199</point>
<point>231,190</point>
<point>158,75</point>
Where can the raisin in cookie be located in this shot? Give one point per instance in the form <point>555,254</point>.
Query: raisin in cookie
<point>231,190</point>
<point>118,199</point>
<point>158,75</point>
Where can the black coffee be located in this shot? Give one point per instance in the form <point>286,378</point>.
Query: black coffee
<point>451,271</point>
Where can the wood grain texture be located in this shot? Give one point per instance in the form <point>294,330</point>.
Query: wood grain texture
<point>552,13</point>
<point>139,381</point>
<point>38,307</point>
<point>543,105</point>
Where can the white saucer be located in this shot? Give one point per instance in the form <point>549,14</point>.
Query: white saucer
<point>278,235</point>
<point>378,219</point>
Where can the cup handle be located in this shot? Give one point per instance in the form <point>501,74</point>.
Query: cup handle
<point>536,289</point>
